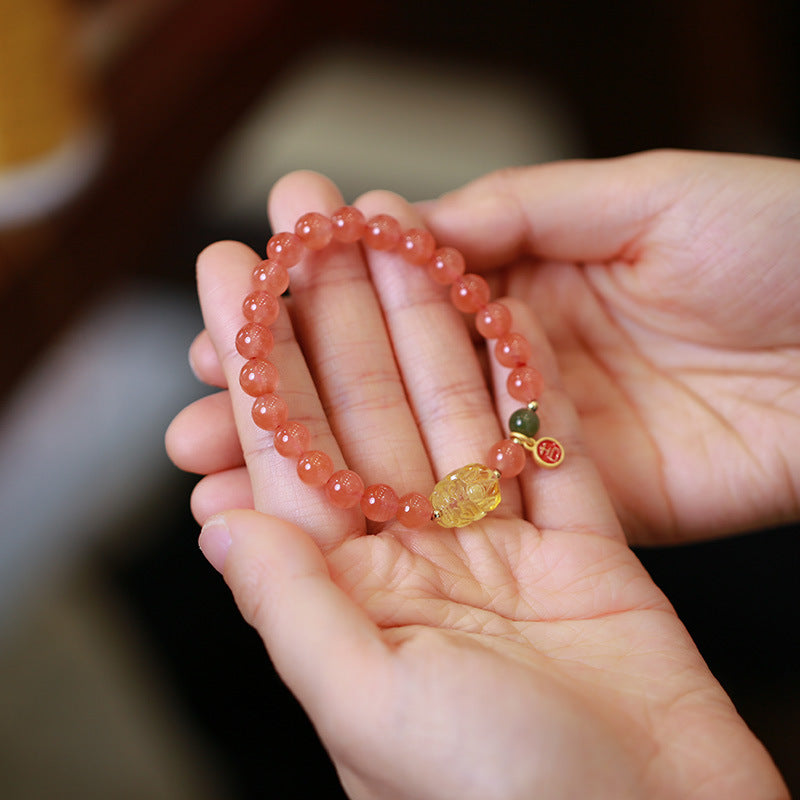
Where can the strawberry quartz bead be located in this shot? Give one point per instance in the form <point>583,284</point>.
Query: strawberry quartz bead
<point>417,246</point>
<point>292,439</point>
<point>525,384</point>
<point>271,277</point>
<point>260,307</point>
<point>493,321</point>
<point>285,248</point>
<point>446,265</point>
<point>344,489</point>
<point>270,412</point>
<point>258,377</point>
<point>348,224</point>
<point>507,457</point>
<point>314,468</point>
<point>513,350</point>
<point>470,293</point>
<point>314,230</point>
<point>382,232</point>
<point>415,510</point>
<point>379,502</point>
<point>254,341</point>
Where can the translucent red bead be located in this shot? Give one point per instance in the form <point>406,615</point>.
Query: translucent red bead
<point>446,265</point>
<point>261,307</point>
<point>254,340</point>
<point>314,467</point>
<point>348,223</point>
<point>512,350</point>
<point>524,384</point>
<point>379,502</point>
<point>414,510</point>
<point>285,248</point>
<point>270,412</point>
<point>271,277</point>
<point>382,232</point>
<point>417,246</point>
<point>292,439</point>
<point>344,489</point>
<point>493,321</point>
<point>314,230</point>
<point>469,293</point>
<point>258,377</point>
<point>507,457</point>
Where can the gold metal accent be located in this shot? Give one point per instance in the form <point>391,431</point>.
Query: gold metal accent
<point>532,446</point>
<point>526,441</point>
<point>533,405</point>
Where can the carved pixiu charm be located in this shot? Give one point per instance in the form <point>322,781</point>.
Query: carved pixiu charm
<point>465,496</point>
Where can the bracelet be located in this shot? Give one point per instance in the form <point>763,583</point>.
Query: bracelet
<point>465,495</point>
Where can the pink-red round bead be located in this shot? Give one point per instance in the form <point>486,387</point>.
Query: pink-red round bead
<point>292,439</point>
<point>271,277</point>
<point>382,232</point>
<point>254,340</point>
<point>446,265</point>
<point>261,307</point>
<point>417,246</point>
<point>314,230</point>
<point>344,489</point>
<point>507,457</point>
<point>512,350</point>
<point>270,412</point>
<point>314,467</point>
<point>414,510</point>
<point>285,248</point>
<point>348,223</point>
<point>258,377</point>
<point>379,502</point>
<point>493,320</point>
<point>525,384</point>
<point>469,293</point>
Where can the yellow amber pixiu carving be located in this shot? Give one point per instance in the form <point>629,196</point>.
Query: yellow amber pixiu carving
<point>466,495</point>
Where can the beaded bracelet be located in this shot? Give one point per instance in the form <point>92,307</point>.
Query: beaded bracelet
<point>463,496</point>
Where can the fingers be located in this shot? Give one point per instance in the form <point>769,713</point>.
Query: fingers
<point>443,376</point>
<point>283,588</point>
<point>570,211</point>
<point>341,325</point>
<point>203,437</point>
<point>572,496</point>
<point>220,492</point>
<point>224,279</point>
<point>204,361</point>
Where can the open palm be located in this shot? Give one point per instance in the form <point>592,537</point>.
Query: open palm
<point>528,654</point>
<point>668,285</point>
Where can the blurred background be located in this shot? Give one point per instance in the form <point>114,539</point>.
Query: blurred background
<point>135,132</point>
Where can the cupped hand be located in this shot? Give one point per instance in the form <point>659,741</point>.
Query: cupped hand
<point>669,285</point>
<point>528,654</point>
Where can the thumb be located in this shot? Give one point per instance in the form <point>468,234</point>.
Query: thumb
<point>313,631</point>
<point>562,211</point>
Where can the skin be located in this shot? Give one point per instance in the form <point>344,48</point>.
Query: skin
<point>528,654</point>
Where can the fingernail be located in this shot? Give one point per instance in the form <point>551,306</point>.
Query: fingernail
<point>214,541</point>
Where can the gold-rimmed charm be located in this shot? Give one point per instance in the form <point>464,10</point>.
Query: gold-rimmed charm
<point>547,452</point>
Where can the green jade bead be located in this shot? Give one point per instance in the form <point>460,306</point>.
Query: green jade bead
<point>524,421</point>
